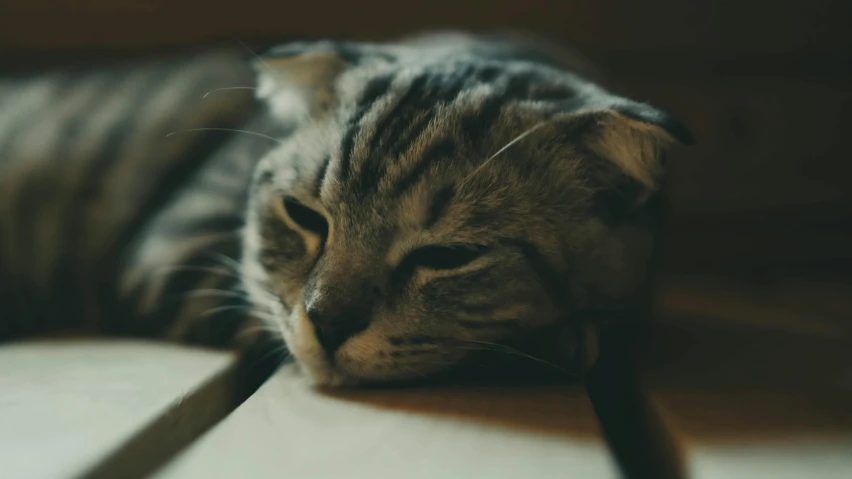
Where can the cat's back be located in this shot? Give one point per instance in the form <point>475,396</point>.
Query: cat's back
<point>85,160</point>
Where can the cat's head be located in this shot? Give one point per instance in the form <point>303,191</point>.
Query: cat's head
<point>436,198</point>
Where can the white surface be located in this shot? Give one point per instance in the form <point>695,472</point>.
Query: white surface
<point>288,430</point>
<point>65,406</point>
<point>741,433</point>
<point>824,459</point>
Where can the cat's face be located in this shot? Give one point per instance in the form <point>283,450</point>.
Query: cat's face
<point>425,210</point>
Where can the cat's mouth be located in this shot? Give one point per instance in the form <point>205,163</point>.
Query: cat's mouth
<point>364,359</point>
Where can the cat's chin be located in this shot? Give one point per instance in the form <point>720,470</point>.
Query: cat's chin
<point>325,377</point>
<point>334,379</point>
<point>323,374</point>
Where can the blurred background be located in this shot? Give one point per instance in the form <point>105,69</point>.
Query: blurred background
<point>758,247</point>
<point>764,197</point>
<point>763,84</point>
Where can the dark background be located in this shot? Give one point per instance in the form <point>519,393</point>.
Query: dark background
<point>765,85</point>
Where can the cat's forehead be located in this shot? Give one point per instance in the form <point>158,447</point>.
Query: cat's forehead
<point>423,81</point>
<point>432,174</point>
<point>448,117</point>
<point>429,146</point>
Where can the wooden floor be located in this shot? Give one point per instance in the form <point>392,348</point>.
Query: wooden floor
<point>755,376</point>
<point>752,378</point>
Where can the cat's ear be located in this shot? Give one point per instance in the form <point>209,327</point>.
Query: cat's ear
<point>297,80</point>
<point>631,136</point>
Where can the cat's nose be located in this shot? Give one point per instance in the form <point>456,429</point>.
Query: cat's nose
<point>333,327</point>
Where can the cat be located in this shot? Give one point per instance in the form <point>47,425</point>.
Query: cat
<point>386,211</point>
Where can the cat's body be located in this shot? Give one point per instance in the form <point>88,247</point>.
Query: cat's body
<point>396,208</point>
<point>103,216</point>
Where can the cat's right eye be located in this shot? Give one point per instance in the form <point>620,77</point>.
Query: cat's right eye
<point>445,257</point>
<point>305,218</point>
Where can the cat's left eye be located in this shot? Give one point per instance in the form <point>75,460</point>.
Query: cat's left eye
<point>305,217</point>
<point>445,257</point>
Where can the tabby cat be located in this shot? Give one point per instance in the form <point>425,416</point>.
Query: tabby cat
<point>384,211</point>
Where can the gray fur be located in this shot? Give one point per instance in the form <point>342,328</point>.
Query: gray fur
<point>364,167</point>
<point>525,187</point>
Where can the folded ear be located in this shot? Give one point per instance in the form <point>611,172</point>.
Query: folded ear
<point>297,80</point>
<point>631,136</point>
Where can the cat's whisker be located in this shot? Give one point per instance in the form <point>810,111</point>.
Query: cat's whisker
<point>501,150</point>
<point>526,356</point>
<point>271,295</point>
<point>167,270</point>
<point>225,235</point>
<point>243,308</point>
<point>266,308</point>
<point>226,261</point>
<point>228,88</point>
<point>227,269</point>
<point>261,328</point>
<point>218,293</point>
<point>232,130</point>
<point>501,348</point>
<point>267,316</point>
<point>262,289</point>
<point>260,59</point>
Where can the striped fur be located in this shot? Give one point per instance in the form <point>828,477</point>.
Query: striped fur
<point>90,234</point>
<point>394,208</point>
<point>414,154</point>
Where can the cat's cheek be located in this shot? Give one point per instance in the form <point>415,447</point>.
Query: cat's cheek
<point>369,357</point>
<point>365,355</point>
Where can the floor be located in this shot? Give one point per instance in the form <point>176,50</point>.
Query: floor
<point>749,378</point>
